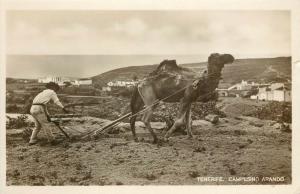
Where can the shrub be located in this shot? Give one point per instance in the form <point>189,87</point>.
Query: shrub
<point>19,122</point>
<point>279,111</point>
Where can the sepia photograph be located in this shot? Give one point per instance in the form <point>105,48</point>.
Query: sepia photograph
<point>148,97</point>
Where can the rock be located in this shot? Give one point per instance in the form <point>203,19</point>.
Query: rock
<point>199,149</point>
<point>285,127</point>
<point>87,175</point>
<point>124,126</point>
<point>16,173</point>
<point>232,171</point>
<point>74,179</point>
<point>277,126</point>
<point>256,123</point>
<point>272,123</point>
<point>119,183</point>
<point>150,176</point>
<point>21,157</point>
<point>252,121</point>
<point>239,132</point>
<point>158,125</point>
<point>238,118</point>
<point>202,123</point>
<point>15,133</point>
<point>194,174</point>
<point>214,119</point>
<point>118,144</point>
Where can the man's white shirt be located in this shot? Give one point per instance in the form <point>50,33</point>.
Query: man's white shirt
<point>45,96</point>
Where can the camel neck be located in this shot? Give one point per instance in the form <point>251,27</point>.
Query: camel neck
<point>213,80</point>
<point>214,75</point>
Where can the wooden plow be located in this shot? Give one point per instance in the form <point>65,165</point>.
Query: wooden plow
<point>114,123</point>
<point>57,118</point>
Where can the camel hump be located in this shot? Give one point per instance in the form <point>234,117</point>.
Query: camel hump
<point>166,66</point>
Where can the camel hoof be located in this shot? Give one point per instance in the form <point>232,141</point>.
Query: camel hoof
<point>190,137</point>
<point>166,139</point>
<point>136,139</point>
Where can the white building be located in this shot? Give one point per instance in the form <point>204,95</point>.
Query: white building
<point>83,81</point>
<point>274,92</point>
<point>121,83</point>
<point>244,85</point>
<point>106,88</point>
<point>56,79</point>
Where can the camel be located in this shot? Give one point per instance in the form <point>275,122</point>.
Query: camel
<point>171,83</point>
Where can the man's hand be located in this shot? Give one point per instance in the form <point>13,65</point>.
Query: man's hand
<point>65,110</point>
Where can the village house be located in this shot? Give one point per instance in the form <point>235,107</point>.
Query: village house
<point>61,81</point>
<point>239,89</point>
<point>106,89</point>
<point>83,81</point>
<point>56,79</point>
<point>275,92</point>
<point>121,83</point>
<point>244,85</point>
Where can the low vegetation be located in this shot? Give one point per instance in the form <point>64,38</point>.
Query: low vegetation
<point>19,122</point>
<point>278,111</point>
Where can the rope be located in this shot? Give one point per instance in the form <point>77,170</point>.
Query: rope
<point>146,108</point>
<point>141,111</point>
<point>158,101</point>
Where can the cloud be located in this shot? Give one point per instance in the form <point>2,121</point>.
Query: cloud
<point>132,27</point>
<point>148,32</point>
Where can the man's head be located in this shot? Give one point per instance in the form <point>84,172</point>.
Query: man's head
<point>52,86</point>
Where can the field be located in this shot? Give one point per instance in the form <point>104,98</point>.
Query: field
<point>238,146</point>
<point>251,141</point>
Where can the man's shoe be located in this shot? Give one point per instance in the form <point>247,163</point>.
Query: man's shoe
<point>32,142</point>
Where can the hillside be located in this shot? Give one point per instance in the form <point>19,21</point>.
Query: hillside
<point>262,69</point>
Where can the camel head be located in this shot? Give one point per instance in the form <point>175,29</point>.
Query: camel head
<point>216,63</point>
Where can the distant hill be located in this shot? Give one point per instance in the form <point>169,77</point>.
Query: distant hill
<point>261,69</point>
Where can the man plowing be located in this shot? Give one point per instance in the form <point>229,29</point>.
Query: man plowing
<point>40,114</point>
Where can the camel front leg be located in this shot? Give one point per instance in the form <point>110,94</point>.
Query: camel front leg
<point>178,123</point>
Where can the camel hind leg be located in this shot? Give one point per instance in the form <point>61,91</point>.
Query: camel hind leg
<point>146,119</point>
<point>149,99</point>
<point>136,105</point>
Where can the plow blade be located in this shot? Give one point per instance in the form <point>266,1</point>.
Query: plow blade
<point>111,124</point>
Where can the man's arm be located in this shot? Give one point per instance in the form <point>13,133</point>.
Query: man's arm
<point>55,99</point>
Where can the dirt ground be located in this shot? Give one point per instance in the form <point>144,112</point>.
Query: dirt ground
<point>236,147</point>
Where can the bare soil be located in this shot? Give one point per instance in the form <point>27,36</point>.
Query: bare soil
<point>236,147</point>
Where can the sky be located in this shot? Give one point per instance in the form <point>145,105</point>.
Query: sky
<point>87,43</point>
